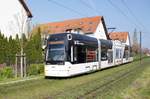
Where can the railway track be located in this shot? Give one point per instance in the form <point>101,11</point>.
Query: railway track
<point>107,86</point>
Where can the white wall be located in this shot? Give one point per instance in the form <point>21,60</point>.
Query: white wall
<point>128,41</point>
<point>13,18</point>
<point>100,32</point>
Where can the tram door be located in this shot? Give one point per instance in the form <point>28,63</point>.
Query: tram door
<point>80,54</point>
<point>110,56</point>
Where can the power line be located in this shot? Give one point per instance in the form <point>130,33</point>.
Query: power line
<point>133,15</point>
<point>86,4</point>
<point>89,6</point>
<point>93,6</point>
<point>119,10</point>
<point>66,7</point>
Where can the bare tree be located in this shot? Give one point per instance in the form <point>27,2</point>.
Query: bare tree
<point>135,44</point>
<point>21,23</point>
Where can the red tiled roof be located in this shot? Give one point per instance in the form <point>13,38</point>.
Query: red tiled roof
<point>87,25</point>
<point>26,8</point>
<point>121,36</point>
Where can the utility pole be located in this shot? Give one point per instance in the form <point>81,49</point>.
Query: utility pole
<point>140,48</point>
<point>111,28</point>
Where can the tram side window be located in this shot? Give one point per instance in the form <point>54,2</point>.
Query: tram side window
<point>117,53</point>
<point>83,54</point>
<point>80,54</point>
<point>120,53</point>
<point>126,54</point>
<point>91,55</point>
<point>103,54</point>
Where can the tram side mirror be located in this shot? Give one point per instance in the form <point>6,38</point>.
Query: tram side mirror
<point>44,51</point>
<point>44,47</point>
<point>44,43</point>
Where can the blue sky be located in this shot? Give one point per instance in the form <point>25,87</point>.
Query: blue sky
<point>124,15</point>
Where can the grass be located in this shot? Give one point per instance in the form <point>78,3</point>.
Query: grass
<point>78,87</point>
<point>8,80</point>
<point>140,88</point>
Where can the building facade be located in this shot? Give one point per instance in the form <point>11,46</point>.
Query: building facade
<point>15,17</point>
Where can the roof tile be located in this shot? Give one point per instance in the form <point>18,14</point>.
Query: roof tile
<point>121,36</point>
<point>87,25</point>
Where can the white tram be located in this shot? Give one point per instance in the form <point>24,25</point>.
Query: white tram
<point>69,54</point>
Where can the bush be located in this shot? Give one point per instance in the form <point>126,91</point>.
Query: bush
<point>40,68</point>
<point>6,72</point>
<point>0,74</point>
<point>35,69</point>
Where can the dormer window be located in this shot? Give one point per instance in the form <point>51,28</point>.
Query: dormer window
<point>56,26</point>
<point>68,30</point>
<point>90,22</point>
<point>81,23</point>
<point>78,30</point>
<point>89,29</point>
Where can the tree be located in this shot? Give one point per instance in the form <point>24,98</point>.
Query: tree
<point>135,45</point>
<point>24,40</point>
<point>18,46</point>
<point>33,48</point>
<point>3,48</point>
<point>13,50</point>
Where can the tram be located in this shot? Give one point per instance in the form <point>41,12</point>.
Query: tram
<point>69,54</point>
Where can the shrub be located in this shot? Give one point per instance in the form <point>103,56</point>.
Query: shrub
<point>0,74</point>
<point>40,68</point>
<point>35,69</point>
<point>6,72</point>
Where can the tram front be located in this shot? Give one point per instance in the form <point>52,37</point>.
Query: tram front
<point>56,55</point>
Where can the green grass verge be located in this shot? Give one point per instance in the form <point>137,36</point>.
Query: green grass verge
<point>73,88</point>
<point>140,88</point>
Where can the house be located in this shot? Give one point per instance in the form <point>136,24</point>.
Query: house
<point>121,45</point>
<point>91,26</point>
<point>15,17</point>
<point>121,36</point>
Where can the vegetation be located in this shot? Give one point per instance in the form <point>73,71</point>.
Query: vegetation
<point>139,89</point>
<point>9,48</point>
<point>12,46</point>
<point>35,69</point>
<point>135,45</point>
<point>113,83</point>
<point>6,72</point>
<point>33,48</point>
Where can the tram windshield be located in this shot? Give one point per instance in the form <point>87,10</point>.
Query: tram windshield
<point>55,52</point>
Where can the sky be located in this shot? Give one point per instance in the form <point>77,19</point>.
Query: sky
<point>124,15</point>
